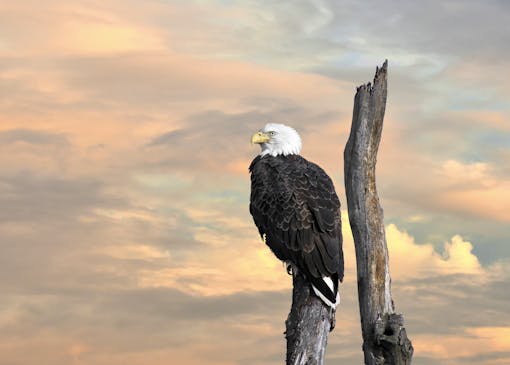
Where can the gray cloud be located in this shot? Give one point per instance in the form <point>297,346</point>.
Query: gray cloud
<point>58,283</point>
<point>500,357</point>
<point>32,136</point>
<point>170,318</point>
<point>454,303</point>
<point>29,197</point>
<point>215,139</point>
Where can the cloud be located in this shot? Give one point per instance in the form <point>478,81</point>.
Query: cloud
<point>452,186</point>
<point>134,252</point>
<point>100,38</point>
<point>411,260</point>
<point>31,136</point>
<point>31,198</point>
<point>474,343</point>
<point>72,28</point>
<point>473,188</point>
<point>124,227</point>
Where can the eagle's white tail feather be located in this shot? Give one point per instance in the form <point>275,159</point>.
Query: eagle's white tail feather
<point>329,283</point>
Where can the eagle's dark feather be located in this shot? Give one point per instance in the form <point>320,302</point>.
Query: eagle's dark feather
<point>294,203</point>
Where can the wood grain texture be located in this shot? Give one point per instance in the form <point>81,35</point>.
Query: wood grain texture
<point>308,324</point>
<point>384,336</point>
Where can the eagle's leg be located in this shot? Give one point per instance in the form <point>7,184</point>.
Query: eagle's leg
<point>332,311</point>
<point>332,316</point>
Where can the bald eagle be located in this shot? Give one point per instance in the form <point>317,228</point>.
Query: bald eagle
<point>296,210</point>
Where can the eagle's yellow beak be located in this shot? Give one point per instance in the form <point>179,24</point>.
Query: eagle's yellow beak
<point>260,137</point>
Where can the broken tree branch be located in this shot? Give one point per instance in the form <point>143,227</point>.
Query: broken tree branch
<point>308,324</point>
<point>384,335</point>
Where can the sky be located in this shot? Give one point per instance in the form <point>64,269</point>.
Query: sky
<point>124,186</point>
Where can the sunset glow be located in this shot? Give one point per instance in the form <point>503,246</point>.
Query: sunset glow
<point>124,186</point>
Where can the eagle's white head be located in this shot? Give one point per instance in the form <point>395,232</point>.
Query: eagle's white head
<point>277,139</point>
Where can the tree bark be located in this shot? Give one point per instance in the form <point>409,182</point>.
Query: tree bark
<point>384,335</point>
<point>308,324</point>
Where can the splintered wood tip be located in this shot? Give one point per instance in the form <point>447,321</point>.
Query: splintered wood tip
<point>380,73</point>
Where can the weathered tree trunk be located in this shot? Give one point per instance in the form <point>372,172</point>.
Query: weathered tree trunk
<point>384,336</point>
<point>308,325</point>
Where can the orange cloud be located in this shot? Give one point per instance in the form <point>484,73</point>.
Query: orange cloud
<point>101,81</point>
<point>65,28</point>
<point>474,189</point>
<point>474,341</point>
<point>134,252</point>
<point>100,38</point>
<point>244,271</point>
<point>408,259</point>
<point>251,266</point>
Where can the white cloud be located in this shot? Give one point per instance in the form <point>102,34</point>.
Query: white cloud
<point>411,260</point>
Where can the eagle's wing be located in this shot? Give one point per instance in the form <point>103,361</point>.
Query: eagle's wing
<point>295,205</point>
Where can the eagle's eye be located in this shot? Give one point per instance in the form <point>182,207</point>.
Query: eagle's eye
<point>272,133</point>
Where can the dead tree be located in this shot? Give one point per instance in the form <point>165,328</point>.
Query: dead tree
<point>384,336</point>
<point>310,321</point>
<point>308,324</point>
